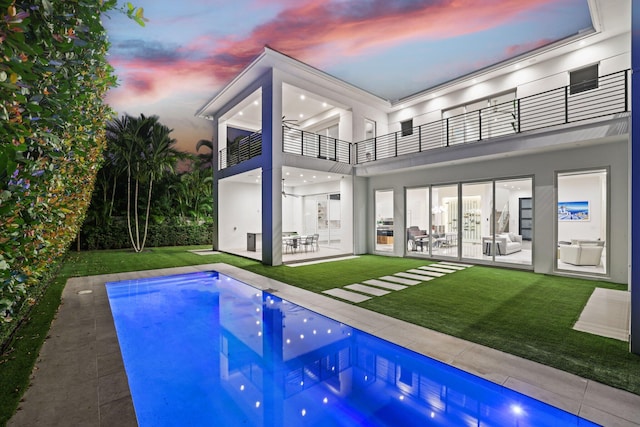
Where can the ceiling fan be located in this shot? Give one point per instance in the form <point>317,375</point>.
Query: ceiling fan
<point>284,193</point>
<point>289,123</point>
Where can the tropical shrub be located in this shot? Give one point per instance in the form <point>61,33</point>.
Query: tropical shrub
<point>53,76</point>
<point>116,236</point>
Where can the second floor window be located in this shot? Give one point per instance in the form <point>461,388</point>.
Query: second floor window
<point>583,79</point>
<point>407,127</point>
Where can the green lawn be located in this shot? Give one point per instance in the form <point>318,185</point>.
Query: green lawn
<point>526,314</point>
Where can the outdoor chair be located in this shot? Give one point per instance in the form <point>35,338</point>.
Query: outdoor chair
<point>291,244</point>
<point>307,242</point>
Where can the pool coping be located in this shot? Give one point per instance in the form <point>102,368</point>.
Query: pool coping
<point>79,377</point>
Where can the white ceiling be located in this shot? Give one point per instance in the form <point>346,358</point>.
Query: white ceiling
<point>293,177</point>
<point>298,106</point>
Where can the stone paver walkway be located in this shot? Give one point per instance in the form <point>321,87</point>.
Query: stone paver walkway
<point>397,282</point>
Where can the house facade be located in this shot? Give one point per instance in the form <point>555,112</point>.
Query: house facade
<point>525,164</point>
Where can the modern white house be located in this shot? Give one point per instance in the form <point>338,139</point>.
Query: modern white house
<point>525,164</point>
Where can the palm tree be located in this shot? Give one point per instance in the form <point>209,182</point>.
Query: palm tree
<point>193,193</point>
<point>145,149</point>
<point>206,159</point>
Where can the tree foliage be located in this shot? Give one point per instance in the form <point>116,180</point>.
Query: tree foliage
<point>144,149</point>
<point>53,76</point>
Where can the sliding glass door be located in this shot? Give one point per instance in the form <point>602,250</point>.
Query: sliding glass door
<point>444,220</point>
<point>475,224</point>
<point>417,221</point>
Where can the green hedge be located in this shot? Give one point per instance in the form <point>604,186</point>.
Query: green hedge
<point>116,236</point>
<point>53,78</point>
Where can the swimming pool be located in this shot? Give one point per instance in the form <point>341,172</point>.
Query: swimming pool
<point>205,349</point>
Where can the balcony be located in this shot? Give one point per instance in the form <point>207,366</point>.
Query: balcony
<point>296,141</point>
<point>237,152</point>
<point>551,108</point>
<point>606,96</point>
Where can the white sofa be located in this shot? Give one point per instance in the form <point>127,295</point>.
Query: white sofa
<point>582,252</point>
<point>506,243</point>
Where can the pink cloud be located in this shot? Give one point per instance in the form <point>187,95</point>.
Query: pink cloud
<point>318,32</point>
<point>324,31</point>
<point>517,49</point>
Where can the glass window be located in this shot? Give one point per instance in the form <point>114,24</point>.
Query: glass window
<point>583,79</point>
<point>407,127</point>
<point>384,220</point>
<point>513,226</point>
<point>417,221</point>
<point>369,129</point>
<point>582,221</point>
<point>444,220</point>
<point>475,222</point>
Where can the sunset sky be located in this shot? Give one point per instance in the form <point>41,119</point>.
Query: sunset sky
<point>190,49</point>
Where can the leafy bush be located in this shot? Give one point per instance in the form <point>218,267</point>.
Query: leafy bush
<point>53,76</point>
<point>116,235</point>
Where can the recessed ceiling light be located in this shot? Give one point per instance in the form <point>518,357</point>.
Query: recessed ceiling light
<point>302,97</point>
<point>314,176</point>
<point>255,102</point>
<point>301,115</point>
<point>241,113</point>
<point>324,104</point>
<point>301,175</point>
<point>329,177</point>
<point>287,173</point>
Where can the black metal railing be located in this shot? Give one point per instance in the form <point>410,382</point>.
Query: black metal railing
<point>237,152</point>
<point>607,95</point>
<point>296,141</point>
<point>569,104</point>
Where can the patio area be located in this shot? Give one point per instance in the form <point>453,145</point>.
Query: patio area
<point>79,378</point>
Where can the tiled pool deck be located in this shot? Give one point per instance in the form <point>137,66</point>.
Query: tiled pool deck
<point>80,378</point>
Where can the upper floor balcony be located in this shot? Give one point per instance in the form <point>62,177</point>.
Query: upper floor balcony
<point>601,97</point>
<point>604,96</point>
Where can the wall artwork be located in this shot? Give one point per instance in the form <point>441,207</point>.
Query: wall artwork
<point>573,211</point>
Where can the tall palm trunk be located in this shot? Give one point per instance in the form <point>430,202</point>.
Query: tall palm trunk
<point>133,243</point>
<point>146,220</point>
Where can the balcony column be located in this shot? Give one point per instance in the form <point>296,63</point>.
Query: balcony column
<point>634,158</point>
<point>272,159</point>
<point>215,168</point>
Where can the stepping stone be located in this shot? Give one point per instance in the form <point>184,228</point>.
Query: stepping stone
<point>346,295</point>
<point>383,284</point>
<point>457,264</point>
<point>419,277</point>
<point>367,289</point>
<point>436,269</point>
<point>449,266</point>
<point>400,280</point>
<point>425,272</point>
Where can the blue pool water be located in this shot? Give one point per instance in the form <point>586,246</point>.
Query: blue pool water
<point>203,349</point>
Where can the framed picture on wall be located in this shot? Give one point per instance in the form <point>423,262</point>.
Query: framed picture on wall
<point>574,211</point>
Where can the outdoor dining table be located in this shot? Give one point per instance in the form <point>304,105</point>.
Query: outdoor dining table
<point>293,242</point>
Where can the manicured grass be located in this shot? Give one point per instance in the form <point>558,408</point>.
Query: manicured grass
<point>521,313</point>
